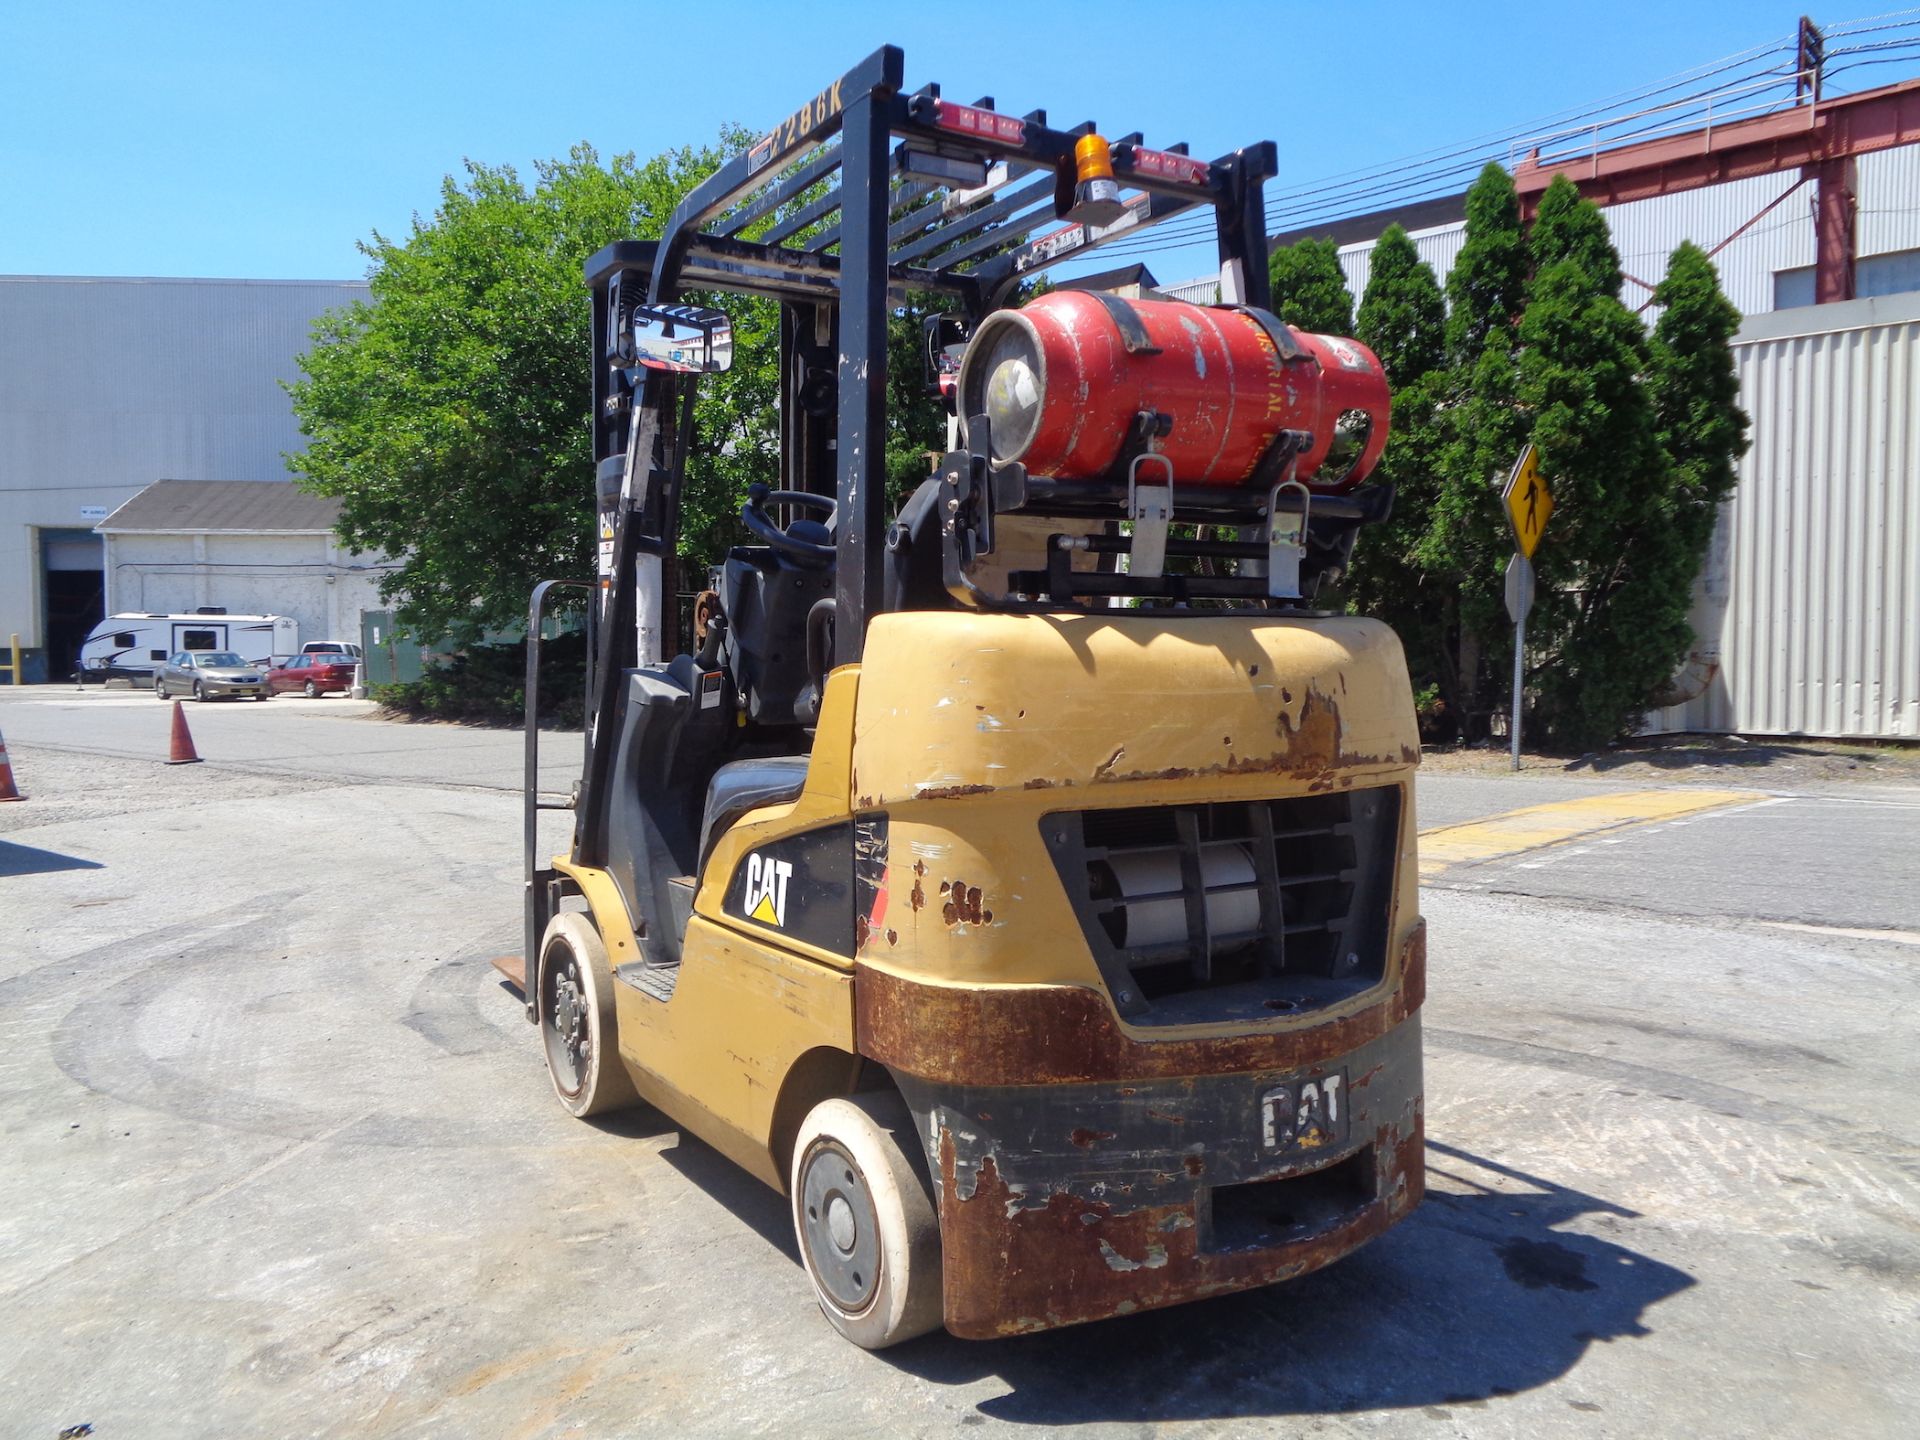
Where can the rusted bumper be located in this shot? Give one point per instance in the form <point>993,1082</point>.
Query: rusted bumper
<point>1065,1203</point>
<point>1098,1194</point>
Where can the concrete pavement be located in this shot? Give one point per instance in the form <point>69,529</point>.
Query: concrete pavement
<point>281,1157</point>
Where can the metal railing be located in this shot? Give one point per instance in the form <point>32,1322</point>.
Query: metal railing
<point>1695,113</point>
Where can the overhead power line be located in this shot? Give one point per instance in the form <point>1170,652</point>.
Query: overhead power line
<point>1761,80</point>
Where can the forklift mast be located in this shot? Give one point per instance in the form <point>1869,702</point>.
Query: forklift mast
<point>864,194</point>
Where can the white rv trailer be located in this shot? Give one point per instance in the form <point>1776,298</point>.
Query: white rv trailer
<point>133,647</point>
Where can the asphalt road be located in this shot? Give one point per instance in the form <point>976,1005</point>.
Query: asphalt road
<point>281,1159</point>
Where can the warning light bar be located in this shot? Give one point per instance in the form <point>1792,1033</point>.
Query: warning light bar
<point>988,124</point>
<point>1165,165</point>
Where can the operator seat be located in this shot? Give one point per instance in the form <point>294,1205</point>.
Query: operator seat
<point>766,597</point>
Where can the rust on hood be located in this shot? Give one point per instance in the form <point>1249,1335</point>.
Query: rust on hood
<point>1062,1034</point>
<point>950,792</point>
<point>1312,748</point>
<point>962,905</point>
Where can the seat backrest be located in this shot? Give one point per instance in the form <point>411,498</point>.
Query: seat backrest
<point>766,605</point>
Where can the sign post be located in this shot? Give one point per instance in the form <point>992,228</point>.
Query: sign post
<point>1528,503</point>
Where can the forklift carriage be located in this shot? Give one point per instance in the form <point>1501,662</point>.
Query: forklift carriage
<point>1022,881</point>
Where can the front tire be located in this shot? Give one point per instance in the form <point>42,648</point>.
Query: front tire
<point>199,693</point>
<point>864,1216</point>
<point>577,1019</point>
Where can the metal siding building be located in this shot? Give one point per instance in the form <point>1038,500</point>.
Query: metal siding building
<point>1645,233</point>
<point>108,385</point>
<point>1807,614</point>
<point>254,547</point>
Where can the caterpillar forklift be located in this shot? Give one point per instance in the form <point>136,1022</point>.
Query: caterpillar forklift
<point>1021,877</point>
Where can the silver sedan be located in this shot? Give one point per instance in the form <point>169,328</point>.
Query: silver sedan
<point>204,674</point>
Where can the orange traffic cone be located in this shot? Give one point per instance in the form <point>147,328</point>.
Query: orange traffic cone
<point>181,752</point>
<point>8,790</point>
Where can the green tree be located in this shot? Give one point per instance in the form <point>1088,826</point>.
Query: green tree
<point>1481,428</point>
<point>1567,227</point>
<point>1403,321</point>
<point>1310,289</point>
<point>1609,625</point>
<point>1402,316</point>
<point>449,415</point>
<point>1696,393</point>
<point>1487,286</point>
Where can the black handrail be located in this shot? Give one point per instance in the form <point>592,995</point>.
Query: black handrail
<point>535,908</point>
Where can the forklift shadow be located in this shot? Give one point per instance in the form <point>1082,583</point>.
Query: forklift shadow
<point>759,1207</point>
<point>1478,1295</point>
<point>16,859</point>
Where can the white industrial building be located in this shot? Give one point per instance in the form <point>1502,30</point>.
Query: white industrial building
<point>109,385</point>
<point>252,547</point>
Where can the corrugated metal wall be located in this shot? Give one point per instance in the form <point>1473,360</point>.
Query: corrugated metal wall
<point>1438,247</point>
<point>1808,611</point>
<point>124,382</point>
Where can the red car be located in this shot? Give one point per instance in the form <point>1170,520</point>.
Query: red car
<point>312,675</point>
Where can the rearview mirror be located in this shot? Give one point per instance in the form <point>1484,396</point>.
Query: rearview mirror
<point>946,341</point>
<point>687,338</point>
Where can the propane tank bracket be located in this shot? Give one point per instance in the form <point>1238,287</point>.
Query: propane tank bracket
<point>1286,541</point>
<point>1150,508</point>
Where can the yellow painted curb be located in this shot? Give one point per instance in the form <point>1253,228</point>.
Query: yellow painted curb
<point>1537,826</point>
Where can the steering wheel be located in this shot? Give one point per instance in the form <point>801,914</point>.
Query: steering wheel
<point>754,516</point>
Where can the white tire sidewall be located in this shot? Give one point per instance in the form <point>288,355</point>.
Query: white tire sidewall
<point>874,1154</point>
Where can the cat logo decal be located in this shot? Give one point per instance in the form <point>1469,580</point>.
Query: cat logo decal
<point>765,899</point>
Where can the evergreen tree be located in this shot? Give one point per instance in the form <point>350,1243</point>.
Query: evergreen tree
<point>1567,227</point>
<point>1487,285</point>
<point>1695,392</point>
<point>1609,623</point>
<point>1310,289</point>
<point>1402,316</point>
<point>1403,321</point>
<point>1480,431</point>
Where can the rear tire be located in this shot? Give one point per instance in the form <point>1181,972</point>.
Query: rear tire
<point>864,1216</point>
<point>160,689</point>
<point>577,1022</point>
<point>311,691</point>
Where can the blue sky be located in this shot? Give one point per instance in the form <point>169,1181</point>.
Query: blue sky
<point>264,141</point>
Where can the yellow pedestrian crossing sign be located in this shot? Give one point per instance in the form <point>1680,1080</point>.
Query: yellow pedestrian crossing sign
<point>1528,500</point>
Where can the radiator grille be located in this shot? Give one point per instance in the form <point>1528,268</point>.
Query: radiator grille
<point>1241,909</point>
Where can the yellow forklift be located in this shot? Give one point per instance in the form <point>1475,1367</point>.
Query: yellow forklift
<point>1021,879</point>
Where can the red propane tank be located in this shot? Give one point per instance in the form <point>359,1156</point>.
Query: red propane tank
<point>1061,387</point>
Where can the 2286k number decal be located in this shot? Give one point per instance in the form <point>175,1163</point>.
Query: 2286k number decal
<point>1305,1114</point>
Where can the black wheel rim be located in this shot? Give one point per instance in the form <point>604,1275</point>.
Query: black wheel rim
<point>840,1226</point>
<point>569,1037</point>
